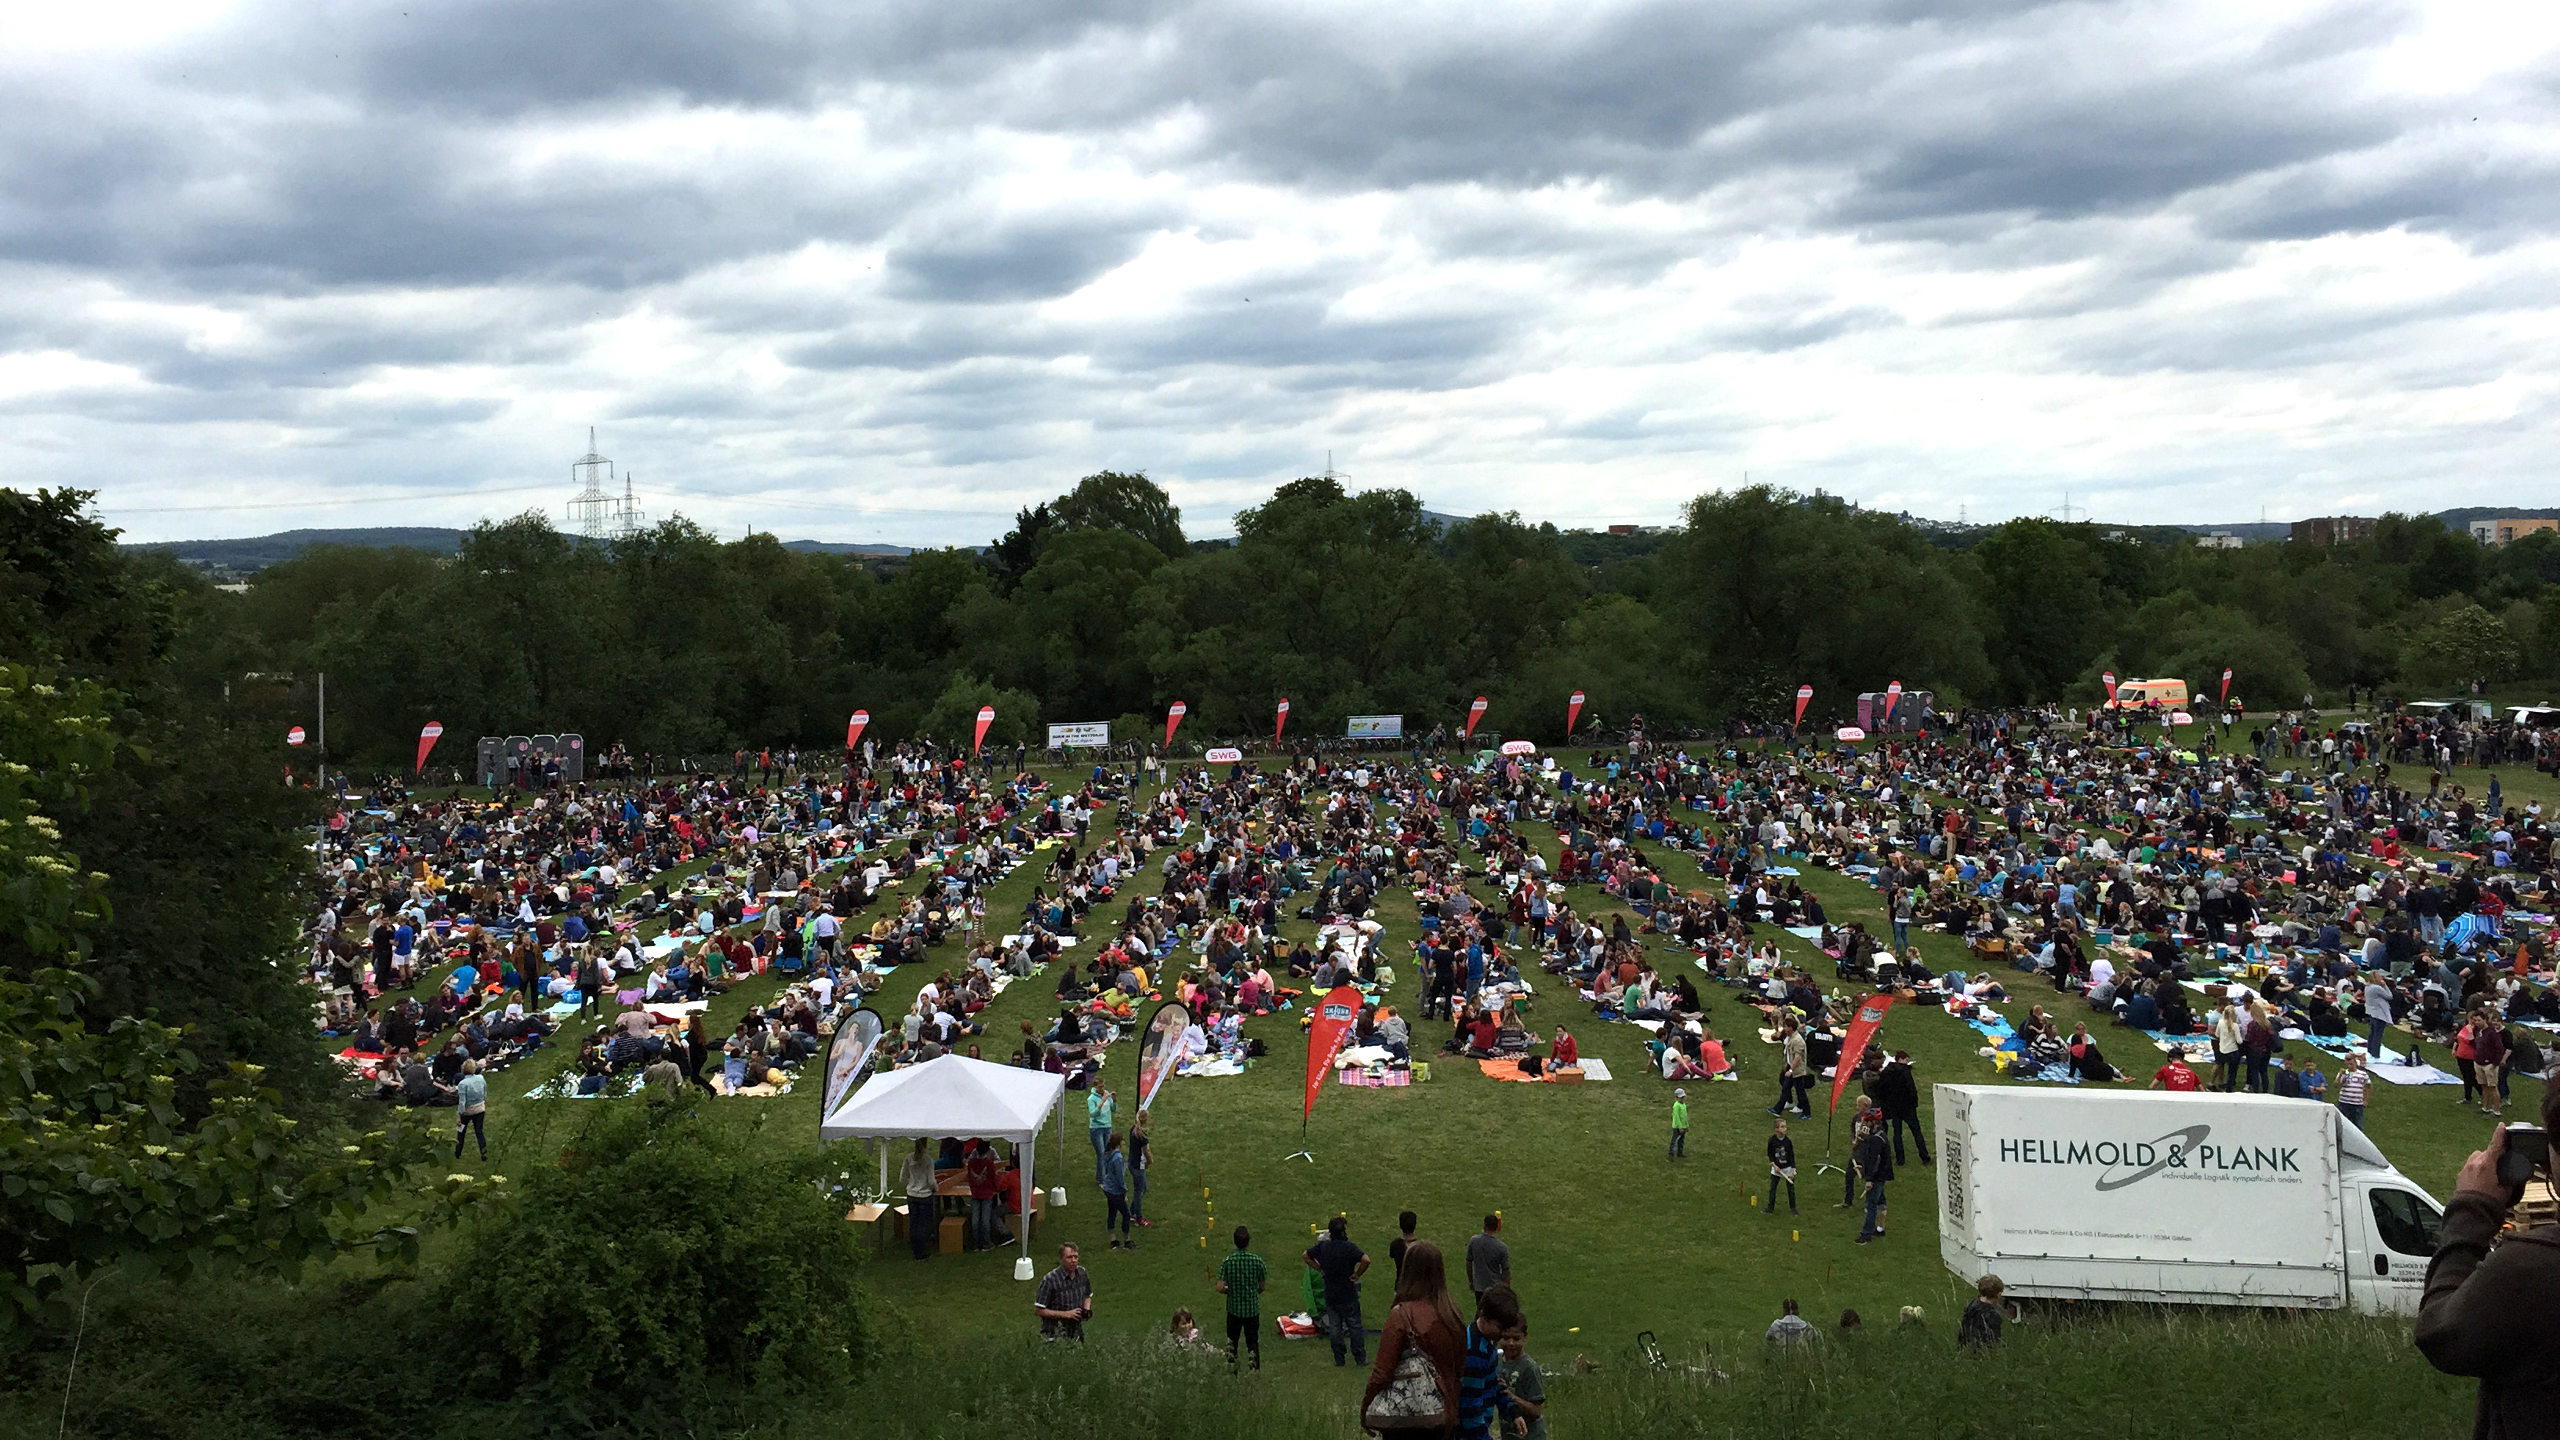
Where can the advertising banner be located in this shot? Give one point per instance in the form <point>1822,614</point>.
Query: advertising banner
<point>1160,1049</point>
<point>1377,727</point>
<point>1080,735</point>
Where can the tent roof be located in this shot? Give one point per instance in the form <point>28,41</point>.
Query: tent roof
<point>949,1095</point>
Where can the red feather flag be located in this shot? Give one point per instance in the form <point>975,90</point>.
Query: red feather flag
<point>427,737</point>
<point>1572,712</point>
<point>986,717</point>
<point>1475,712</point>
<point>1854,1043</point>
<point>853,728</point>
<point>1804,697</point>
<point>1280,721</point>
<point>1335,1011</point>
<point>1173,721</point>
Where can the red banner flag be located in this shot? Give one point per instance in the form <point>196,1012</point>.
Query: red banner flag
<point>1892,693</point>
<point>1572,712</point>
<point>1854,1043</point>
<point>853,728</point>
<point>1173,721</point>
<point>293,736</point>
<point>1335,1011</point>
<point>1475,712</point>
<point>427,737</point>
<point>986,717</point>
<point>2226,684</point>
<point>1280,721</point>
<point>1804,697</point>
<point>2109,680</point>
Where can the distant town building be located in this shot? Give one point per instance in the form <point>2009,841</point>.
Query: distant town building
<point>2506,529</point>
<point>1622,529</point>
<point>2218,540</point>
<point>2332,530</point>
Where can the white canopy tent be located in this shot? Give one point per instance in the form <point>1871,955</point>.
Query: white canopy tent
<point>957,1096</point>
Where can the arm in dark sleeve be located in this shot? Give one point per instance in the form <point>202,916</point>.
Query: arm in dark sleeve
<point>2467,1317</point>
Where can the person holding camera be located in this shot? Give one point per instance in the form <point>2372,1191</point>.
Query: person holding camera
<point>2476,1317</point>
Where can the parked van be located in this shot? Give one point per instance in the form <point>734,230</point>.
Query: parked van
<point>2193,1199</point>
<point>2150,695</point>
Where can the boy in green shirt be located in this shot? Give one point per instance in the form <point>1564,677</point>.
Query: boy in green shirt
<point>1679,1124</point>
<point>1524,1382</point>
<point>1241,1278</point>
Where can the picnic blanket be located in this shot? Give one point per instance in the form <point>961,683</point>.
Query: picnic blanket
<point>2412,1075</point>
<point>1507,1071</point>
<point>1377,1079</point>
<point>1213,1066</point>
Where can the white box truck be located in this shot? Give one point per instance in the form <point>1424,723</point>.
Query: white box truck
<point>2193,1199</point>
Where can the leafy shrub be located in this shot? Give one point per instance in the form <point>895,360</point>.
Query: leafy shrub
<point>661,1271</point>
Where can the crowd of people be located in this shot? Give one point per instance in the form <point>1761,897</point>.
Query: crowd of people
<point>2209,896</point>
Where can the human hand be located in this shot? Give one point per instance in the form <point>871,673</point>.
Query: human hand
<point>2479,1175</point>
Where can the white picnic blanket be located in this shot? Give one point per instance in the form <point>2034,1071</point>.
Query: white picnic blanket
<point>2413,1075</point>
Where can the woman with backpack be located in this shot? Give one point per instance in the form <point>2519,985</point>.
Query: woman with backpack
<point>1413,1384</point>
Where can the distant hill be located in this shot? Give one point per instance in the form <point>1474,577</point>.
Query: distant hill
<point>839,547</point>
<point>255,553</point>
<point>247,557</point>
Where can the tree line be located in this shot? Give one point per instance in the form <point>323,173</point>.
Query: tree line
<point>1097,607</point>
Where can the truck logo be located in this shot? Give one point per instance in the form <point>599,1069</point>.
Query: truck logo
<point>2158,1155</point>
<point>2187,1152</point>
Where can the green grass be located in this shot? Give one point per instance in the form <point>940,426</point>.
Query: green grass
<point>1608,1237</point>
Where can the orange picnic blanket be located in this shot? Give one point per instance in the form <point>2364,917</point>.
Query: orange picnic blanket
<point>1507,1070</point>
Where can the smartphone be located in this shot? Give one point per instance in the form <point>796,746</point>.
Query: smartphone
<point>2528,1150</point>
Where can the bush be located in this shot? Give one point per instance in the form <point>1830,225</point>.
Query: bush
<point>661,1272</point>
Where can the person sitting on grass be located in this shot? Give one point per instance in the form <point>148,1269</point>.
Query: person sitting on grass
<point>1980,1326</point>
<point>1790,1328</point>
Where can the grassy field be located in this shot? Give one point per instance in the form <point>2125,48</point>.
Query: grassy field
<point>1609,1238</point>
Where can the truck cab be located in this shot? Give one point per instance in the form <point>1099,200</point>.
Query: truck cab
<point>2391,1229</point>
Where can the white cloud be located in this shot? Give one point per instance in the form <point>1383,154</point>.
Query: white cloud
<point>890,273</point>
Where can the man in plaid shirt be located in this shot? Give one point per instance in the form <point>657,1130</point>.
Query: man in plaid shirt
<point>1241,1277</point>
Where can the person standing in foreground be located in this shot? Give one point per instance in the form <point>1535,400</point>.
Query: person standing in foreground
<point>1098,1111</point>
<point>1241,1278</point>
<point>1488,1259</point>
<point>1141,1160</point>
<point>1064,1300</point>
<point>2353,1083</point>
<point>1679,1123</point>
<point>1897,1096</point>
<point>471,1108</point>
<point>1480,1394</point>
<point>923,1187</point>
<point>1406,1221</point>
<point>1412,1392</point>
<point>1525,1383</point>
<point>1341,1263</point>
<point>2471,1317</point>
<point>1874,1162</point>
<point>1115,1193</point>
<point>1782,1166</point>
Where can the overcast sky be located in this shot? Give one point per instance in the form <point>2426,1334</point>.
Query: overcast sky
<point>887,271</point>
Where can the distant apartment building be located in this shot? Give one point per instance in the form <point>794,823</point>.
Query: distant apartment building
<point>2218,540</point>
<point>2332,530</point>
<point>2506,529</point>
